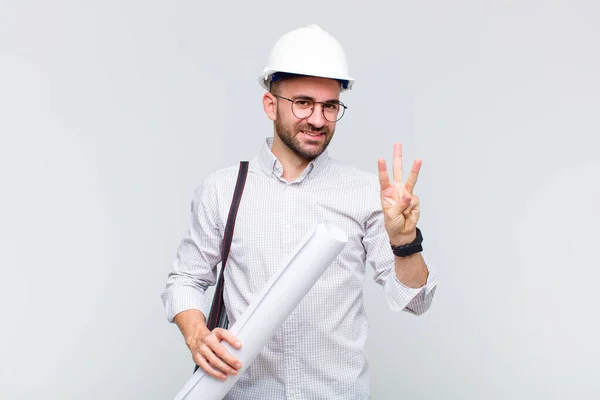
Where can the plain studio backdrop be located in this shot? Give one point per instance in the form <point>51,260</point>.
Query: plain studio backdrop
<point>112,112</point>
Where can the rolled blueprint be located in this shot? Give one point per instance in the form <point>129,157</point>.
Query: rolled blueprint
<point>272,306</point>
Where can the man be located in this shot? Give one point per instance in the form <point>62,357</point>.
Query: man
<point>291,185</point>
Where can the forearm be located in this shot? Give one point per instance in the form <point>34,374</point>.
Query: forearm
<point>412,270</point>
<point>188,321</point>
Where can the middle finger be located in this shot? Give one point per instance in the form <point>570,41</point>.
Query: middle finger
<point>216,362</point>
<point>225,355</point>
<point>397,162</point>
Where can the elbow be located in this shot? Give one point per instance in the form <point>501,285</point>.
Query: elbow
<point>420,304</point>
<point>417,311</point>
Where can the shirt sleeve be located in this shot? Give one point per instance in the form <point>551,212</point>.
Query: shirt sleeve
<point>380,256</point>
<point>194,268</point>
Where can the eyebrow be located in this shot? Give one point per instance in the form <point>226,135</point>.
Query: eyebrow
<point>302,96</point>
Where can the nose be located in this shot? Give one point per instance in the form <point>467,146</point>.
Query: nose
<point>317,119</point>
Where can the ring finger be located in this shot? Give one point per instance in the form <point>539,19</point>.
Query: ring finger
<point>215,361</point>
<point>205,365</point>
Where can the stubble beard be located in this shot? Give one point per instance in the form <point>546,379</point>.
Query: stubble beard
<point>289,137</point>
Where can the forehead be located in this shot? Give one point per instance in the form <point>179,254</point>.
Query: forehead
<point>317,88</point>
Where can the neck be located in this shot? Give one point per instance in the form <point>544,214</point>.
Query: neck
<point>293,165</point>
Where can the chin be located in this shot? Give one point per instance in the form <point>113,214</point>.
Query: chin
<point>312,152</point>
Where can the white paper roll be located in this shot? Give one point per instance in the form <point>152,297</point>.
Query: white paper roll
<point>274,304</point>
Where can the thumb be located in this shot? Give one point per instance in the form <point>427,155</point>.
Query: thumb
<point>405,200</point>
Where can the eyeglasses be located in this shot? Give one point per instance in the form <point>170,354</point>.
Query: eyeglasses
<point>302,108</point>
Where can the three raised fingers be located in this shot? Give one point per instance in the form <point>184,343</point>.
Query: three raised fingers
<point>384,178</point>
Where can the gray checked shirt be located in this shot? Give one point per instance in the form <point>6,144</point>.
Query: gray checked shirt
<point>318,353</point>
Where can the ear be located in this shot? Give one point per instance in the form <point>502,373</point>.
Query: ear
<point>269,104</point>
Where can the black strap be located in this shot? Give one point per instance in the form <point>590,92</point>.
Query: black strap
<point>218,316</point>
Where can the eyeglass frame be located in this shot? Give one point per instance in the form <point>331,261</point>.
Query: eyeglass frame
<point>344,107</point>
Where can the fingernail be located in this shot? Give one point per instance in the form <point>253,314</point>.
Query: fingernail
<point>238,344</point>
<point>238,365</point>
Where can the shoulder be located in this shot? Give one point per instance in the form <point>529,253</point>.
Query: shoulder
<point>219,183</point>
<point>361,186</point>
<point>222,176</point>
<point>354,176</point>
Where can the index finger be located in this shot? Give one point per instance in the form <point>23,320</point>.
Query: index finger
<point>222,352</point>
<point>229,337</point>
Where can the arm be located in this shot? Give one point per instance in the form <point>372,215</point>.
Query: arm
<point>408,282</point>
<point>194,269</point>
<point>411,270</point>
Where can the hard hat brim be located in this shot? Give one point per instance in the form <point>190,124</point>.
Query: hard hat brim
<point>265,78</point>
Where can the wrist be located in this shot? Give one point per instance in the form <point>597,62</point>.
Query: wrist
<point>189,322</point>
<point>403,239</point>
<point>405,246</point>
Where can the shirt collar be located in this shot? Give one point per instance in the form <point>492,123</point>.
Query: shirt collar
<point>271,164</point>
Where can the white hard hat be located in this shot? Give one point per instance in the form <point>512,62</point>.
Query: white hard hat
<point>307,51</point>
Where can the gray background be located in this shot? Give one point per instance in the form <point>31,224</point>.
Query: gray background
<point>112,112</point>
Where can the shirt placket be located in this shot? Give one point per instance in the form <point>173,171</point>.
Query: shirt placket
<point>291,326</point>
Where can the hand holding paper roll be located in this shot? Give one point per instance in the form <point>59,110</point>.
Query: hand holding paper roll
<point>207,350</point>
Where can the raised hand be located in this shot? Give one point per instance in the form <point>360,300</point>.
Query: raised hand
<point>400,205</point>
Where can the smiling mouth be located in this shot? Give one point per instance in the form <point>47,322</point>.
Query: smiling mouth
<point>313,134</point>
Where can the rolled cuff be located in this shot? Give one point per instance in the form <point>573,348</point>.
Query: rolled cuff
<point>413,300</point>
<point>182,298</point>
